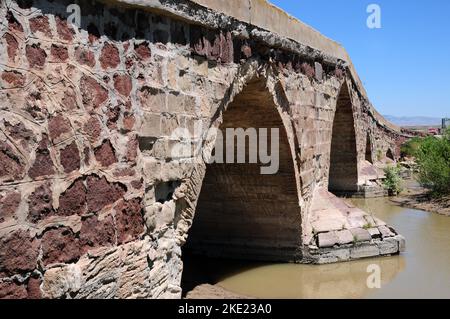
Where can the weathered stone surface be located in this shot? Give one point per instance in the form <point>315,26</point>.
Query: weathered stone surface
<point>130,223</point>
<point>11,166</point>
<point>12,290</point>
<point>101,193</point>
<point>70,158</point>
<point>93,128</point>
<point>9,203</point>
<point>105,154</point>
<point>344,237</point>
<point>109,57</point>
<point>43,164</point>
<point>388,246</point>
<point>59,53</point>
<point>36,56</point>
<point>85,57</point>
<point>360,234</point>
<point>61,280</point>
<point>73,200</point>
<point>33,288</point>
<point>123,85</point>
<point>364,251</point>
<point>12,46</point>
<point>60,246</point>
<point>327,239</point>
<point>13,78</point>
<point>97,233</point>
<point>40,24</point>
<point>40,203</point>
<point>93,93</point>
<point>374,232</point>
<point>58,126</point>
<point>19,253</point>
<point>64,30</point>
<point>385,231</point>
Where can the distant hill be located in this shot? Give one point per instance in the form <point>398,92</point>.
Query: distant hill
<point>413,120</point>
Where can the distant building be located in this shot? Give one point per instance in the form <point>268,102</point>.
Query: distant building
<point>445,123</point>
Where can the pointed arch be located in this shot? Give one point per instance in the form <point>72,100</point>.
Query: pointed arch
<point>241,213</point>
<point>343,172</point>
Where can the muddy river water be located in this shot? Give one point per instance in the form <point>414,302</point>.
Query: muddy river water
<point>423,271</point>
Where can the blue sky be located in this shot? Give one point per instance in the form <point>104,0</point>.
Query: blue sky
<point>405,65</point>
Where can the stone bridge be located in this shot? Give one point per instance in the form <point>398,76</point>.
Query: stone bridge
<point>93,204</point>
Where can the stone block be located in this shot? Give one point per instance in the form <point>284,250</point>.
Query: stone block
<point>385,232</point>
<point>388,246</point>
<point>151,125</point>
<point>344,237</point>
<point>364,251</point>
<point>360,234</point>
<point>327,239</point>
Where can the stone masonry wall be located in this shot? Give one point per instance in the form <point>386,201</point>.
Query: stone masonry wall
<point>92,203</point>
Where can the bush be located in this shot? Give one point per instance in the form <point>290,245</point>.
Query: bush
<point>433,159</point>
<point>411,147</point>
<point>393,180</point>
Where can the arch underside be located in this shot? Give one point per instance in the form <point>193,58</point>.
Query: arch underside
<point>242,213</point>
<point>343,175</point>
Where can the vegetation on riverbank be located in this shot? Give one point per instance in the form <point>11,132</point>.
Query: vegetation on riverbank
<point>433,160</point>
<point>393,180</point>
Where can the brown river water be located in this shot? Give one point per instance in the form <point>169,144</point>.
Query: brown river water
<point>423,271</point>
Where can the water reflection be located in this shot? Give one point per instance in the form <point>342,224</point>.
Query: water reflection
<point>423,271</point>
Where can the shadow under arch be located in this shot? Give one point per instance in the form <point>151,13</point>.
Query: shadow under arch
<point>390,154</point>
<point>241,213</point>
<point>343,172</point>
<point>369,149</point>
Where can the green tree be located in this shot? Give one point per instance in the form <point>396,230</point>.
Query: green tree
<point>433,159</point>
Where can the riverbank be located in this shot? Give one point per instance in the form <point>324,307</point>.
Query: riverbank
<point>416,197</point>
<point>208,291</point>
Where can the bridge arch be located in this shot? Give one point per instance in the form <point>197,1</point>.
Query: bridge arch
<point>390,154</point>
<point>241,213</point>
<point>343,170</point>
<point>369,149</point>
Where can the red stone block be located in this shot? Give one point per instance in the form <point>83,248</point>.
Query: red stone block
<point>130,223</point>
<point>105,154</point>
<point>70,158</point>
<point>101,193</point>
<point>73,200</point>
<point>85,57</point>
<point>95,233</point>
<point>65,31</point>
<point>11,166</point>
<point>12,46</point>
<point>40,24</point>
<point>12,290</point>
<point>14,78</point>
<point>19,253</point>
<point>43,164</point>
<point>123,84</point>
<point>109,57</point>
<point>59,53</point>
<point>40,203</point>
<point>93,93</point>
<point>35,55</point>
<point>143,51</point>
<point>57,126</point>
<point>60,246</point>
<point>9,204</point>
